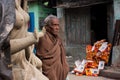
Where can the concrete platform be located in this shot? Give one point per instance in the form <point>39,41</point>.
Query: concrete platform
<point>111,72</point>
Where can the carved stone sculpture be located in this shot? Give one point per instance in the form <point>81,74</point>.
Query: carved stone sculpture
<point>26,66</point>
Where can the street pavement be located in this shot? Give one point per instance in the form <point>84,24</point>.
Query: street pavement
<point>84,77</point>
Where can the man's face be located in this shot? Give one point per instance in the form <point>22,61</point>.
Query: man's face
<point>55,26</point>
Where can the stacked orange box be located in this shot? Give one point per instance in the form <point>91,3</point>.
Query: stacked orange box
<point>99,51</point>
<point>96,57</point>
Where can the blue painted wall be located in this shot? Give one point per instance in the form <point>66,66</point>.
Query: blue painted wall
<point>32,22</point>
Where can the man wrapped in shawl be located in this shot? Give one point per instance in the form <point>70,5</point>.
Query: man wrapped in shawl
<point>51,51</point>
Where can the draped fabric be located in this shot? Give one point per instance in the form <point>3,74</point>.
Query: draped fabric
<point>7,19</point>
<point>52,53</point>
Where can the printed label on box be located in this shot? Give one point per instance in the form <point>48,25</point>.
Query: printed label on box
<point>103,47</point>
<point>101,64</point>
<point>77,63</point>
<point>95,71</point>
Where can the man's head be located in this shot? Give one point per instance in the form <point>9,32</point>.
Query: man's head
<point>52,24</point>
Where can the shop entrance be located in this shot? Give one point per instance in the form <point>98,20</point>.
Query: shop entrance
<point>98,22</point>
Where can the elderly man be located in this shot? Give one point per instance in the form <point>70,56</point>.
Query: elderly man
<point>51,51</point>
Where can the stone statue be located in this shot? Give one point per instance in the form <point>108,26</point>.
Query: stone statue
<point>25,65</point>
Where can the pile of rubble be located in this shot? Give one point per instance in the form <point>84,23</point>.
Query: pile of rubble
<point>96,58</point>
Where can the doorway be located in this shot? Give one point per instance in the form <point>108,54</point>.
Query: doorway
<point>98,22</point>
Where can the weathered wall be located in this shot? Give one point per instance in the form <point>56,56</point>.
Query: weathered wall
<point>75,31</point>
<point>116,56</point>
<point>116,49</point>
